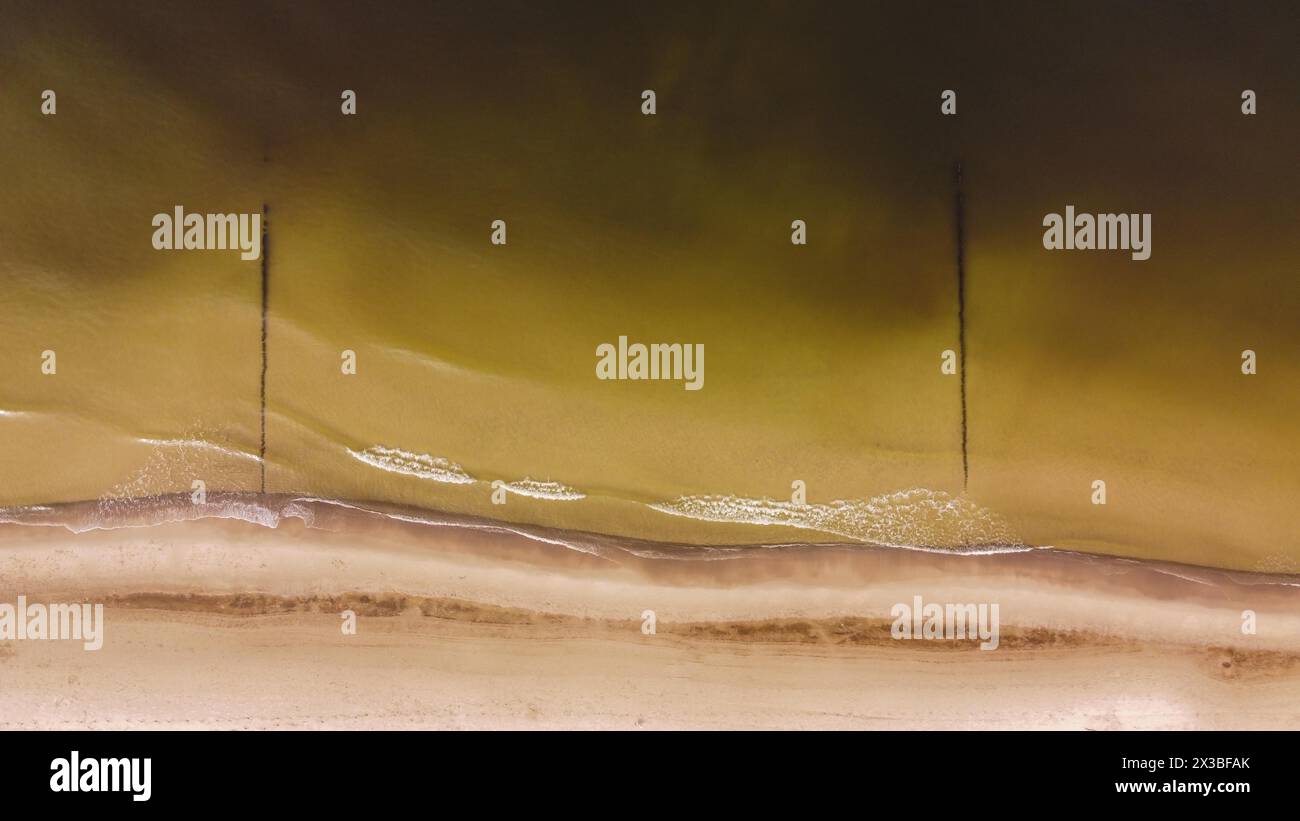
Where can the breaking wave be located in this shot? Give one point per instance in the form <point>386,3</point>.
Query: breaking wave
<point>422,465</point>
<point>536,489</point>
<point>916,518</point>
<point>442,469</point>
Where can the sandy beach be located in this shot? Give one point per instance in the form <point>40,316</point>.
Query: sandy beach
<point>226,624</point>
<point>723,365</point>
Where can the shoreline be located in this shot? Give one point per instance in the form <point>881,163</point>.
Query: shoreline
<point>270,510</point>
<point>488,626</point>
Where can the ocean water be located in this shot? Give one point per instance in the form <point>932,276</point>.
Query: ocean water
<point>476,363</point>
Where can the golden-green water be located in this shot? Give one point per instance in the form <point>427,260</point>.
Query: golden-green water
<point>476,362</point>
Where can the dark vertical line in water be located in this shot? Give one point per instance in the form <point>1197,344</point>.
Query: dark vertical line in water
<point>961,319</point>
<point>266,253</point>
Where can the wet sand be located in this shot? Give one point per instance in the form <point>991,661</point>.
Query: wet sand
<point>224,624</point>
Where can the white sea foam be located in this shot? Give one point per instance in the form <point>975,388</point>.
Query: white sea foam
<point>441,469</point>
<point>916,518</point>
<point>300,508</point>
<point>115,514</point>
<point>422,465</point>
<point>200,444</point>
<point>537,489</point>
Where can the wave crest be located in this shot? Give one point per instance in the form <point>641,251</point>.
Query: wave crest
<point>538,489</point>
<point>915,518</point>
<point>422,465</point>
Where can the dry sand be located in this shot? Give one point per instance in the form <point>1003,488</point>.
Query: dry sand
<point>224,624</point>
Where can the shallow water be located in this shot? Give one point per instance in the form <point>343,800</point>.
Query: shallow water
<point>476,363</point>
